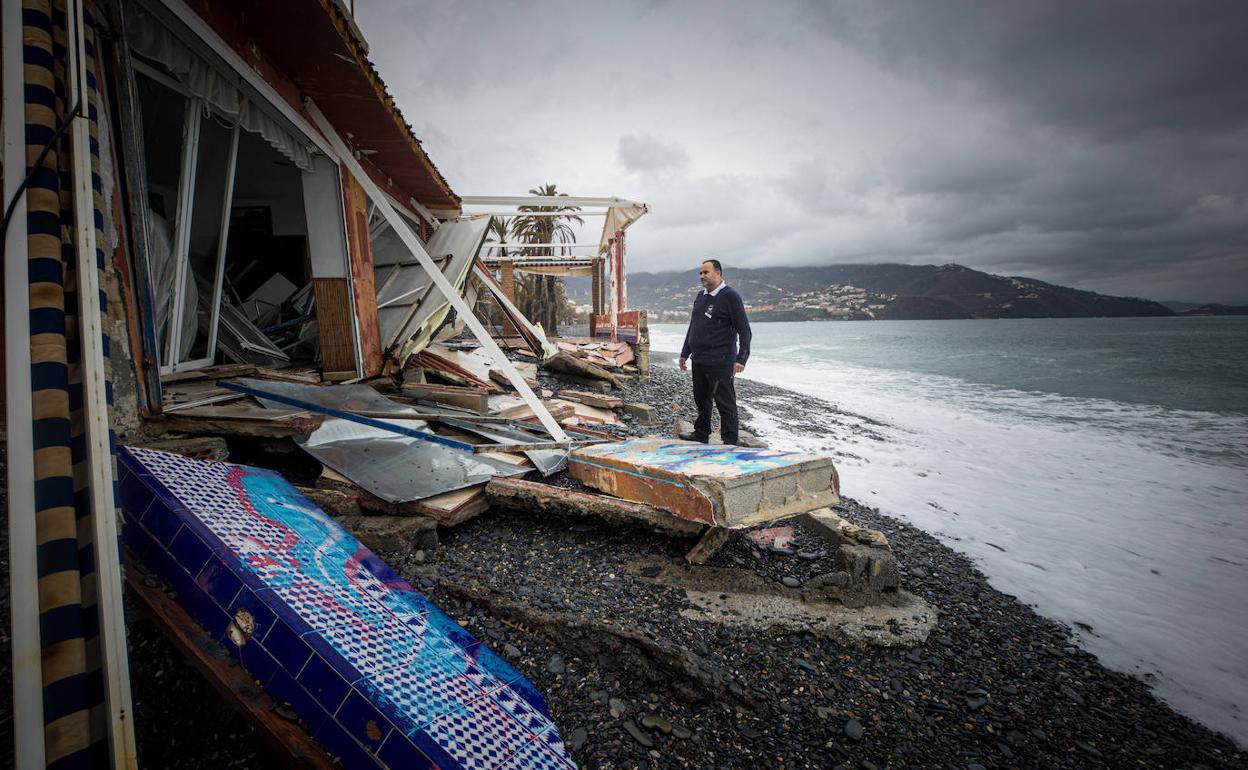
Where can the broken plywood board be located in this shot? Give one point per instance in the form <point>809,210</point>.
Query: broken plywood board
<point>514,408</point>
<point>546,498</point>
<point>588,414</point>
<point>499,376</point>
<point>727,486</point>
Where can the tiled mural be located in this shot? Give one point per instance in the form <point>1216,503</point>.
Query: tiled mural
<point>380,675</point>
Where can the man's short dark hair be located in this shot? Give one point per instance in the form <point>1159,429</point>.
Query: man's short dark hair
<point>718,267</point>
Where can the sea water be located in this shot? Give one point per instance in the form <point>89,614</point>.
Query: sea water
<point>1095,468</point>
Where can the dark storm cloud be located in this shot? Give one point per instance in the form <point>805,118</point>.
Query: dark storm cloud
<point>1125,140</point>
<point>1103,144</point>
<point>1112,69</point>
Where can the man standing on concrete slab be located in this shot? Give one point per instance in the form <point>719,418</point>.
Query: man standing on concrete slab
<point>717,323</point>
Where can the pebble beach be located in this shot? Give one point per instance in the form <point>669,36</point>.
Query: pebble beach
<point>636,679</point>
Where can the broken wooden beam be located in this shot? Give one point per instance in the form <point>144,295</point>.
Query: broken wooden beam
<point>591,399</point>
<point>712,540</point>
<point>285,737</point>
<point>210,373</point>
<point>464,397</point>
<point>565,362</point>
<point>240,421</point>
<point>537,497</point>
<point>726,486</point>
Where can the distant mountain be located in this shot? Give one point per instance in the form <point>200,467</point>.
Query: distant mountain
<point>879,291</point>
<point>1179,307</point>
<point>1215,308</point>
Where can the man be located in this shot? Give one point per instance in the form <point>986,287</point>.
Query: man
<point>717,323</point>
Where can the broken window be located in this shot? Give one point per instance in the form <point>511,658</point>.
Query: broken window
<point>242,216</point>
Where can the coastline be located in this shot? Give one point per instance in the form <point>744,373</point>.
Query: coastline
<point>564,600</point>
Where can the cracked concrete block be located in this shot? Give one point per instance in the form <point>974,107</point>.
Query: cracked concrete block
<point>869,568</point>
<point>727,486</point>
<point>643,413</point>
<point>837,530</point>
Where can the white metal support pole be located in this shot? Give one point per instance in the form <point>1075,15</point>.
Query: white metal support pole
<point>417,250</point>
<point>23,570</point>
<point>613,264</point>
<point>95,408</point>
<point>223,236</point>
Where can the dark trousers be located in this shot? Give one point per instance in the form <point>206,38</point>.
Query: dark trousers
<point>714,384</point>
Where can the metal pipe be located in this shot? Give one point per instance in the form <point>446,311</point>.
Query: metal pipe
<point>545,200</point>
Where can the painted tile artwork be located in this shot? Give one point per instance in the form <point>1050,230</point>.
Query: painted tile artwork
<point>381,677</point>
<point>692,458</point>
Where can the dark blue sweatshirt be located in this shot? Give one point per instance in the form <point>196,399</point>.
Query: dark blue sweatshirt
<point>714,327</point>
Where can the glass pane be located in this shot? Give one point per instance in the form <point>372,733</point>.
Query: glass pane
<point>203,244</point>
<point>163,112</point>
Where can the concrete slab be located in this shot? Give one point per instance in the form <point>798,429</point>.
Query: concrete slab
<point>726,486</point>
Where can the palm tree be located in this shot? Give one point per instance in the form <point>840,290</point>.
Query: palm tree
<point>546,291</point>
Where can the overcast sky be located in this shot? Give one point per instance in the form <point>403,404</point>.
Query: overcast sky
<point>1096,144</point>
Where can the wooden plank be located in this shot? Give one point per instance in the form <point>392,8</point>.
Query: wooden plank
<point>592,399</point>
<point>306,376</point>
<point>360,259</point>
<point>210,373</point>
<point>229,421</point>
<point>708,545</point>
<point>286,738</point>
<point>511,493</point>
<point>334,323</point>
<point>474,399</point>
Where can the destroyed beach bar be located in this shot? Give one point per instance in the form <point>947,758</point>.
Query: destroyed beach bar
<point>221,232</point>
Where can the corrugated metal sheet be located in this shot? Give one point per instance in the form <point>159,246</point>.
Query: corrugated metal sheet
<point>409,307</point>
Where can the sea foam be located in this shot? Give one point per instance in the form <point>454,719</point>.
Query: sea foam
<point>1125,521</point>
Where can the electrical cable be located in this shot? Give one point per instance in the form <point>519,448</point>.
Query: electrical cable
<point>21,188</point>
